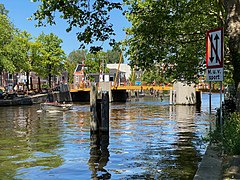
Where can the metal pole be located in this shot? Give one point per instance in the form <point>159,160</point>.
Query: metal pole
<point>210,104</point>
<point>221,123</point>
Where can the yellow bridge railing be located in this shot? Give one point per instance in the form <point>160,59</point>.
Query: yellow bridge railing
<point>157,88</point>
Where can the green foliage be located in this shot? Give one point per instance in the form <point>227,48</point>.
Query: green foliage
<point>172,33</point>
<point>19,51</point>
<point>74,58</point>
<point>231,134</point>
<point>3,11</point>
<point>77,56</point>
<point>93,62</point>
<point>91,17</point>
<point>52,55</point>
<point>229,138</point>
<point>6,35</point>
<point>113,56</point>
<point>155,74</point>
<point>133,77</point>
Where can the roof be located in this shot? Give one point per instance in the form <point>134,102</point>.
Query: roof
<point>78,68</point>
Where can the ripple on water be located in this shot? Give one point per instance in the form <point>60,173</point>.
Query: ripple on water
<point>148,140</point>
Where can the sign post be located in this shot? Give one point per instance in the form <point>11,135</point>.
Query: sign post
<point>214,62</point>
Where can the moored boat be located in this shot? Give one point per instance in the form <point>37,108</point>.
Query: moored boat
<point>51,106</point>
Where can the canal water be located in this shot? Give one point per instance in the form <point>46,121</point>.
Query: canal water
<point>148,140</point>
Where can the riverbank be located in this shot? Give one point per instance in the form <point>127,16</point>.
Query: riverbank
<point>24,100</point>
<point>211,164</point>
<point>215,165</point>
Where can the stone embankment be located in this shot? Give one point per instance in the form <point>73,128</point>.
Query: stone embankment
<point>216,165</point>
<point>211,165</point>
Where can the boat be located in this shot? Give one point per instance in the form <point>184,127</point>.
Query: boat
<point>55,106</point>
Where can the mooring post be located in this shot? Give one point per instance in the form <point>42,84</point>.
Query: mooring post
<point>105,113</point>
<point>94,122</point>
<point>171,96</point>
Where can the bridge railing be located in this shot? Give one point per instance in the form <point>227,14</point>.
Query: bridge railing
<point>84,87</point>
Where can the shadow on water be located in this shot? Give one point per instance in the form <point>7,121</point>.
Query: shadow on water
<point>99,156</point>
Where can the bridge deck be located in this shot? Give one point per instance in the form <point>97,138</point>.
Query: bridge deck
<point>160,88</point>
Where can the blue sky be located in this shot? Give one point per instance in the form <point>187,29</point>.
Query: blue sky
<point>21,10</point>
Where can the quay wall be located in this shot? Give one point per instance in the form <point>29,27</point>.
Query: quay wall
<point>24,100</point>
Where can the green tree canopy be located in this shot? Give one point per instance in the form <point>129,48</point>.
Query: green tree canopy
<point>77,56</point>
<point>113,56</point>
<point>3,10</point>
<point>19,50</point>
<point>91,17</point>
<point>171,33</point>
<point>74,58</point>
<point>7,32</point>
<point>52,56</point>
<point>156,74</point>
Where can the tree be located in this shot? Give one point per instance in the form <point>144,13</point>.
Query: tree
<point>74,58</point>
<point>52,56</point>
<point>96,62</point>
<point>174,33</point>
<point>93,62</point>
<point>77,56</point>
<point>19,51</point>
<point>156,74</point>
<point>113,56</point>
<point>7,31</point>
<point>231,9</point>
<point>3,11</point>
<point>170,33</point>
<point>92,18</point>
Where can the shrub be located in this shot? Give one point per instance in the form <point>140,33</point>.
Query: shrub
<point>231,134</point>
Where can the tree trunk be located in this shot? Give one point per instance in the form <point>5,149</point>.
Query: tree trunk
<point>31,84</point>
<point>50,80</point>
<point>27,83</point>
<point>49,75</point>
<point>39,85</point>
<point>232,8</point>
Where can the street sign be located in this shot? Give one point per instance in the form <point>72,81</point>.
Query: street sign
<point>215,74</point>
<point>214,55</point>
<point>214,48</point>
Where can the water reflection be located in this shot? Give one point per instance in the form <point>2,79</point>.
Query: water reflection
<point>99,156</point>
<point>27,142</point>
<point>169,148</point>
<point>148,140</point>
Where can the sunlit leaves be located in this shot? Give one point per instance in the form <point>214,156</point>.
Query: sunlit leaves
<point>52,55</point>
<point>90,17</point>
<point>6,36</point>
<point>170,32</point>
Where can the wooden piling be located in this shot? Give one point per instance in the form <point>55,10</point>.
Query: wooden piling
<point>99,111</point>
<point>99,129</point>
<point>105,113</point>
<point>171,96</point>
<point>94,125</point>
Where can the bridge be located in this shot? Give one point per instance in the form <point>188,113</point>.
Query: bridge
<point>156,88</point>
<point>119,93</point>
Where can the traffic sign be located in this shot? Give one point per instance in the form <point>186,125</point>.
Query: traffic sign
<point>214,48</point>
<point>214,74</point>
